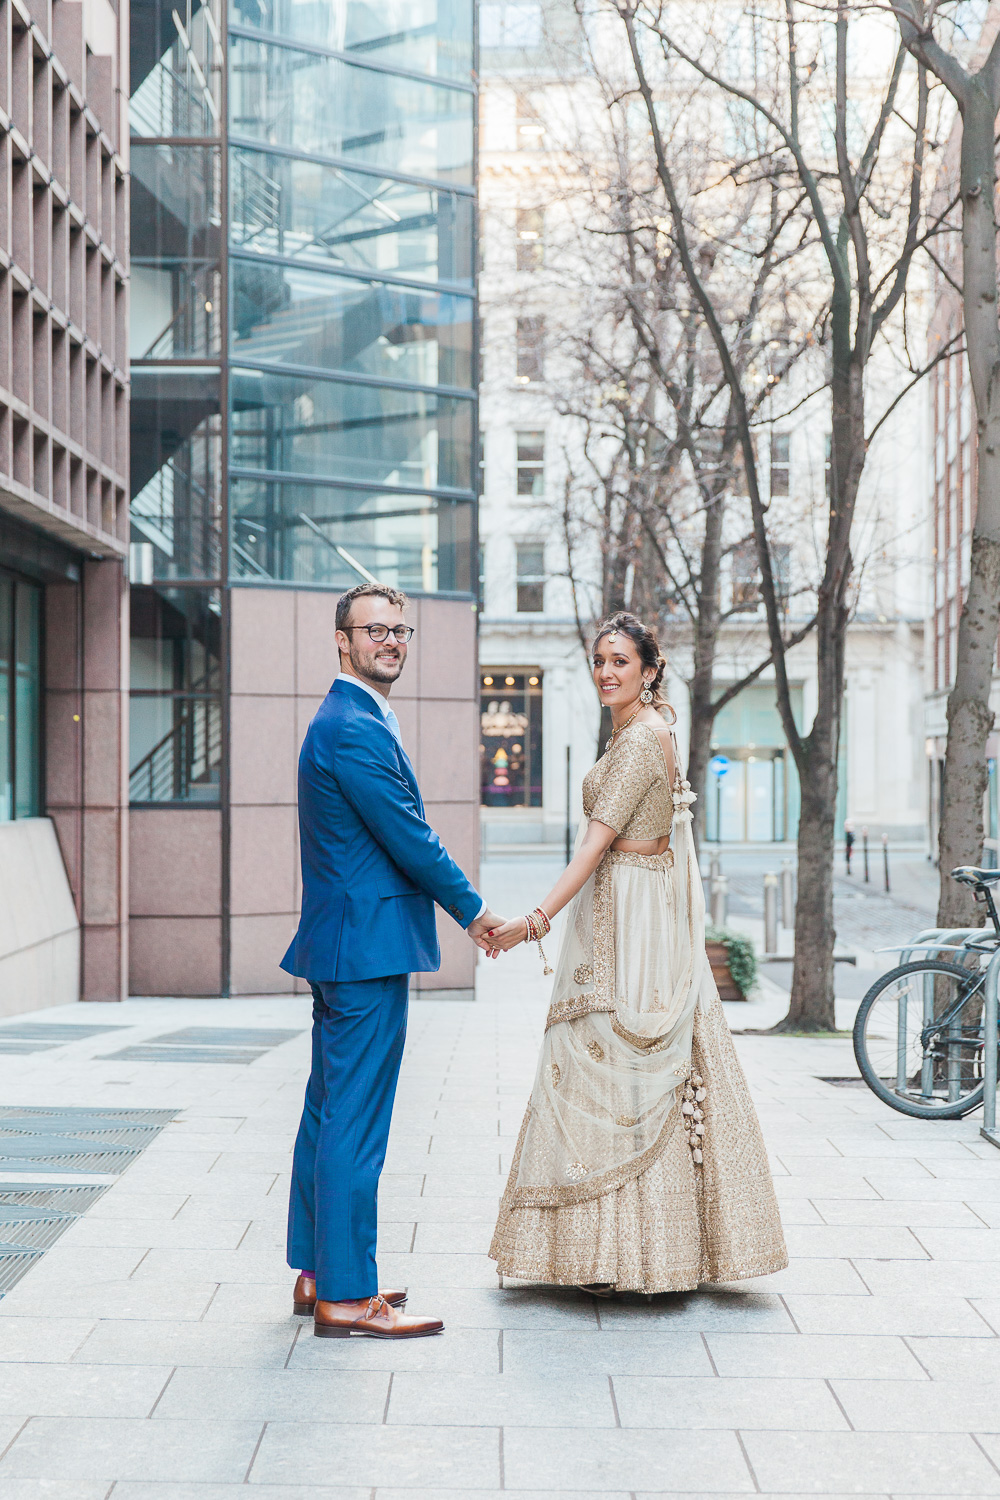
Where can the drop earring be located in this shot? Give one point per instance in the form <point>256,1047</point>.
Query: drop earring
<point>646,696</point>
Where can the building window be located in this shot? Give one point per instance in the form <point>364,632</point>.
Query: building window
<point>510,25</point>
<point>530,130</point>
<point>511,737</point>
<point>746,574</point>
<point>780,445</point>
<point>530,238</point>
<point>530,349</point>
<point>175,715</point>
<point>530,578</point>
<point>531,463</point>
<point>20,698</point>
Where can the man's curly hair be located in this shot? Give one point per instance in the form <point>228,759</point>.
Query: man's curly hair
<point>365,591</point>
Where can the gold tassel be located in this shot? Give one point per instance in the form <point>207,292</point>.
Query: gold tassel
<point>547,969</point>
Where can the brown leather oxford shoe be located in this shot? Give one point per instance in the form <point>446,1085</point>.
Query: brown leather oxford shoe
<point>304,1297</point>
<point>370,1317</point>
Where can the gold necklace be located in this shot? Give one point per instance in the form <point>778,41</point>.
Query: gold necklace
<point>622,727</point>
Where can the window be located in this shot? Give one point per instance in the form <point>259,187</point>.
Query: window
<point>510,24</point>
<point>746,593</point>
<point>175,717</point>
<point>530,349</point>
<point>531,463</point>
<point>530,130</point>
<point>510,745</point>
<point>332,536</point>
<point>481,588</point>
<point>530,577</point>
<point>305,211</point>
<point>530,238</point>
<point>20,698</point>
<point>780,445</point>
<point>746,574</point>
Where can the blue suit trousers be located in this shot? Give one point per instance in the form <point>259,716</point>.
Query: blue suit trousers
<point>359,1027</point>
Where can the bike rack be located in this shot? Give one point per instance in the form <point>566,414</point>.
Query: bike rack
<point>955,939</point>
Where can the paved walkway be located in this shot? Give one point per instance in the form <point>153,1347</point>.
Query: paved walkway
<point>151,1354</point>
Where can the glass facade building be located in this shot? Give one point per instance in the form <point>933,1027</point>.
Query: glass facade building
<point>303,319</point>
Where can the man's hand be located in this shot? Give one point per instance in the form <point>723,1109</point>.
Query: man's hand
<point>478,930</point>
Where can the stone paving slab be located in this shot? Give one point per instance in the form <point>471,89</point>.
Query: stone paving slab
<point>154,1349</point>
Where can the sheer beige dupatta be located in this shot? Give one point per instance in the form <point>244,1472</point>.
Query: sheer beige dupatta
<point>631,972</point>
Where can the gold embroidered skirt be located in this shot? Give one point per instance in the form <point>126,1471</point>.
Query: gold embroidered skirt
<point>676,1223</point>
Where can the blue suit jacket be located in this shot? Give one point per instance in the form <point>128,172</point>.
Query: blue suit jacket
<point>372,867</point>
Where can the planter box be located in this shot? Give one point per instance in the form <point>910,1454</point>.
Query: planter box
<point>718,957</point>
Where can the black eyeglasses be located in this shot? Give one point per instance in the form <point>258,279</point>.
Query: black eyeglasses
<point>379,633</point>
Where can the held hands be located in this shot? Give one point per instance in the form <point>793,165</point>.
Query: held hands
<point>507,935</point>
<point>478,930</point>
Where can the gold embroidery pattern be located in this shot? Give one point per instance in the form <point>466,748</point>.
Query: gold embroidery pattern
<point>672,1227</point>
<point>628,788</point>
<point>582,974</point>
<point>556,1072</point>
<point>639,861</point>
<point>575,1006</point>
<point>596,1187</point>
<point>596,1051</point>
<point>576,1170</point>
<point>626,1121</point>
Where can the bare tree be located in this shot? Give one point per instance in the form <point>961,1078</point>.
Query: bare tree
<point>976,92</point>
<point>654,496</point>
<point>869,225</point>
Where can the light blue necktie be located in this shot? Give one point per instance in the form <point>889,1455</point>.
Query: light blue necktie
<point>393,723</point>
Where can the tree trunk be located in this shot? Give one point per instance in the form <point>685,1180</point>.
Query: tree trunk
<point>705,641</point>
<point>811,1007</point>
<point>970,717</point>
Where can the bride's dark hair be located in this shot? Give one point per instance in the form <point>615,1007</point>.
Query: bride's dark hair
<point>645,642</point>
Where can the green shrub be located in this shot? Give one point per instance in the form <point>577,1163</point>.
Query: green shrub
<point>740,955</point>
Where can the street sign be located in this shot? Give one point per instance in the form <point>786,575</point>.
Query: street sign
<point>718,765</point>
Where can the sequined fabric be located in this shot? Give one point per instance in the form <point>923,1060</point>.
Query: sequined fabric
<point>676,1224</point>
<point>629,788</point>
<point>640,1160</point>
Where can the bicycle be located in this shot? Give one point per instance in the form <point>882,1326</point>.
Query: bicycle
<point>918,1033</point>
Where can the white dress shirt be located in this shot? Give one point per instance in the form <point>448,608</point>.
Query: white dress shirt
<point>393,723</point>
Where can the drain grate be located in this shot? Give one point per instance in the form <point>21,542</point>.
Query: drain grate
<point>69,1117</point>
<point>142,1052</point>
<point>34,1214</point>
<point>33,1234</point>
<point>53,1031</point>
<point>33,1036</point>
<point>206,1044</point>
<point>226,1036</point>
<point>70,1200</point>
<point>76,1140</point>
<point>14,1263</point>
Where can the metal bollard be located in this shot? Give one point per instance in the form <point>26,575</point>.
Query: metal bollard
<point>787,894</point>
<point>714,868</point>
<point>720,900</point>
<point>885,858</point>
<point>864,845</point>
<point>770,913</point>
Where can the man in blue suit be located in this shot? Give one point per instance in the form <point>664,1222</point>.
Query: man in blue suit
<point>372,869</point>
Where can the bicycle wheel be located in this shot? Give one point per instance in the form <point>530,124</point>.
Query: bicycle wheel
<point>918,1039</point>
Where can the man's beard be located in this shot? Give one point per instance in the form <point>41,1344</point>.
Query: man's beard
<point>365,664</point>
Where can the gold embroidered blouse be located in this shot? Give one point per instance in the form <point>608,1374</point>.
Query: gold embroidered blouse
<point>629,788</point>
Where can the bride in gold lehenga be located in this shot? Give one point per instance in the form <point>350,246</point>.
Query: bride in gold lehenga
<point>640,1164</point>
